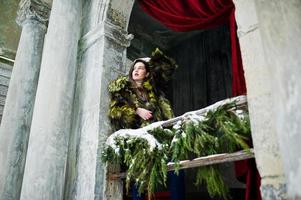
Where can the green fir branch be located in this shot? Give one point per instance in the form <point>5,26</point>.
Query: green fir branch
<point>211,176</point>
<point>221,130</point>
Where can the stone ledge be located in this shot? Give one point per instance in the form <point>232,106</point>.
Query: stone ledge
<point>108,30</point>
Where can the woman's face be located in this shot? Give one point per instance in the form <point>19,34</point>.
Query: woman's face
<point>139,72</point>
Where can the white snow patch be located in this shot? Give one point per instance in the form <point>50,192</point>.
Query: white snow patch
<point>174,140</point>
<point>177,126</point>
<point>133,134</point>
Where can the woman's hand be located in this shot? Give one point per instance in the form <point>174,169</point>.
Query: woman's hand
<point>144,114</point>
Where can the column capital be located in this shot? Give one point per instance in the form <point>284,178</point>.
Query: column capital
<point>33,9</point>
<point>117,34</point>
<point>109,31</point>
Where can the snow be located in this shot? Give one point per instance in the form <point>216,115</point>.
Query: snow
<point>240,114</point>
<point>174,140</point>
<point>178,125</point>
<point>193,116</point>
<point>133,134</point>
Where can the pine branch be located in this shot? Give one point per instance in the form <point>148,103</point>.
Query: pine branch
<point>216,129</point>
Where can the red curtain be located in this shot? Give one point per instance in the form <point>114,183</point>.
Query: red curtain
<point>188,15</point>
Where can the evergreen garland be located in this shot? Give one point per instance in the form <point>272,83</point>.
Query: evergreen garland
<point>222,130</point>
<point>211,176</point>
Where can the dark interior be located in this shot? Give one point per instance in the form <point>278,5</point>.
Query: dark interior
<point>202,78</point>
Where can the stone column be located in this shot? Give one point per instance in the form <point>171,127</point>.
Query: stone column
<point>91,125</point>
<point>280,30</point>
<point>16,122</point>
<point>103,57</point>
<point>260,101</point>
<point>44,174</point>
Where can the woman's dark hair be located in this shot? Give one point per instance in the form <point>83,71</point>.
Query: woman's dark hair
<point>141,92</point>
<point>132,68</point>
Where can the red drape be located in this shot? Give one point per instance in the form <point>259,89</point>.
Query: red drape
<point>189,15</point>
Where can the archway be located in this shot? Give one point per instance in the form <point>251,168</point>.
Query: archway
<point>203,76</point>
<point>113,14</point>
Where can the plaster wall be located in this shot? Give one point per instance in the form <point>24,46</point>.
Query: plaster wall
<point>260,101</point>
<point>280,29</point>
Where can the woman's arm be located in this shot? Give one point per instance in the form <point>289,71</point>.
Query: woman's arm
<point>144,113</point>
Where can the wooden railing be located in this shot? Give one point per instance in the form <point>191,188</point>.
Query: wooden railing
<point>202,161</point>
<point>240,102</point>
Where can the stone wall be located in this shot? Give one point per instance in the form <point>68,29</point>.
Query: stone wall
<point>269,34</point>
<point>5,73</point>
<point>259,93</point>
<point>101,58</point>
<point>9,30</point>
<point>280,29</point>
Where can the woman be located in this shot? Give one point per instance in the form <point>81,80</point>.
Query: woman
<point>137,100</point>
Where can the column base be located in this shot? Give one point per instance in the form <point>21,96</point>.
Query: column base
<point>271,192</point>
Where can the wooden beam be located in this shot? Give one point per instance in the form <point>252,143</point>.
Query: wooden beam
<point>213,159</point>
<point>240,102</point>
<point>202,161</point>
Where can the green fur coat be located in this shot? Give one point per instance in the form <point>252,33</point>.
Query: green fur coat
<point>124,101</point>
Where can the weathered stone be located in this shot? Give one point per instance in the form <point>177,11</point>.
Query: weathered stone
<point>270,192</point>
<point>280,29</point>
<point>9,30</point>
<point>269,33</point>
<point>103,56</point>
<point>270,45</point>
<point>44,175</point>
<point>259,88</point>
<point>17,116</point>
<point>118,12</point>
<point>33,9</point>
<point>5,73</point>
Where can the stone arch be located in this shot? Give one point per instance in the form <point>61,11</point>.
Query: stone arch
<point>106,33</point>
<point>114,188</point>
<point>101,57</point>
<point>103,54</point>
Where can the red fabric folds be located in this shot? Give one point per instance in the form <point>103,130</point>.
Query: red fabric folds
<point>189,15</point>
<point>246,171</point>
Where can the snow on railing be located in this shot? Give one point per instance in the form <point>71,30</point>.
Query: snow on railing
<point>240,102</point>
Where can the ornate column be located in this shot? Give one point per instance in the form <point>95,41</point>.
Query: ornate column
<point>16,121</point>
<point>44,174</point>
<point>260,101</point>
<point>103,57</point>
